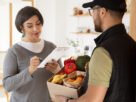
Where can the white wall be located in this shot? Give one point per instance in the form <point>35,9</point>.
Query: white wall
<point>61,22</point>
<point>54,14</point>
<point>15,8</point>
<point>2,56</point>
<point>48,10</point>
<point>4,26</point>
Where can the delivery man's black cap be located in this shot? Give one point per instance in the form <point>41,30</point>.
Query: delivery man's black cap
<point>115,5</point>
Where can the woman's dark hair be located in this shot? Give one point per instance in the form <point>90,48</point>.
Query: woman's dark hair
<point>24,14</point>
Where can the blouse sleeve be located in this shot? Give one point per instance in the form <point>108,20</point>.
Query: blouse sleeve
<point>12,78</point>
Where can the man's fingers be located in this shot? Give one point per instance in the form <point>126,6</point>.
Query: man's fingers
<point>62,98</point>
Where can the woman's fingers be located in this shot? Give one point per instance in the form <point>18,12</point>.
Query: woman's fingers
<point>50,66</point>
<point>34,62</point>
<point>54,61</point>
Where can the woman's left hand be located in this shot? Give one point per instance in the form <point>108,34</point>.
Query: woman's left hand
<point>52,66</point>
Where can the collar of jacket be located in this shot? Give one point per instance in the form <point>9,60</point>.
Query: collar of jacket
<point>113,31</point>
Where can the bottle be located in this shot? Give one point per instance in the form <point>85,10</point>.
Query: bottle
<point>86,50</point>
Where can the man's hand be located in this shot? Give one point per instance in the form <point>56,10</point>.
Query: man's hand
<point>93,94</point>
<point>61,98</point>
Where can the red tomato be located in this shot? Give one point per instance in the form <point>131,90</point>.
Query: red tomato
<point>70,67</point>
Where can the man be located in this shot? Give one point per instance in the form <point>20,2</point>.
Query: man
<point>112,65</point>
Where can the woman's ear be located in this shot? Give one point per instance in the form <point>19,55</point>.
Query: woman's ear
<point>22,31</point>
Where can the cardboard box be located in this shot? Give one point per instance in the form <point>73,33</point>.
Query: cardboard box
<point>56,89</point>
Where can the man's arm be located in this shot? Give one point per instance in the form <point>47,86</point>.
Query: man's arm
<point>100,69</point>
<point>93,94</point>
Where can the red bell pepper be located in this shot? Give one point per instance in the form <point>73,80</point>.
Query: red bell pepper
<point>69,68</point>
<point>69,61</point>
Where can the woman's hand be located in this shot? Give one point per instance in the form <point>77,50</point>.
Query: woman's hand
<point>34,62</point>
<point>53,66</point>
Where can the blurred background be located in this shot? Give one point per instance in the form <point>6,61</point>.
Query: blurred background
<point>66,23</point>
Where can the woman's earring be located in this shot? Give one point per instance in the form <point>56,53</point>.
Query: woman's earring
<point>23,34</point>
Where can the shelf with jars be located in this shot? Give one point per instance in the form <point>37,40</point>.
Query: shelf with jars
<point>85,33</point>
<point>84,30</point>
<point>79,12</point>
<point>80,28</point>
<point>81,15</point>
<point>89,33</point>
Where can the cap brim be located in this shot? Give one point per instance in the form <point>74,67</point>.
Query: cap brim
<point>89,4</point>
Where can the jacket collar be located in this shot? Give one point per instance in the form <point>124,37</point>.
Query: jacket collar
<point>113,31</point>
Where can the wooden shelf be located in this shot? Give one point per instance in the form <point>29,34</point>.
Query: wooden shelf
<point>85,33</point>
<point>87,14</point>
<point>83,15</point>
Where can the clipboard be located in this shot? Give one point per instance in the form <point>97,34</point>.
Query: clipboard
<point>56,54</point>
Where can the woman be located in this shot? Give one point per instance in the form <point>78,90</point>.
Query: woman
<point>21,75</point>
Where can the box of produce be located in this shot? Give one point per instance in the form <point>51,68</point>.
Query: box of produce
<point>69,81</point>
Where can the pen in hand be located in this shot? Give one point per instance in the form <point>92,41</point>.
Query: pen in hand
<point>34,63</point>
<point>39,58</point>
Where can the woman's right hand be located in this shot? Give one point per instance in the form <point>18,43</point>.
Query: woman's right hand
<point>34,62</point>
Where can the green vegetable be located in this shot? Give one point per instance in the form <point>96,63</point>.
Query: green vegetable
<point>81,61</point>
